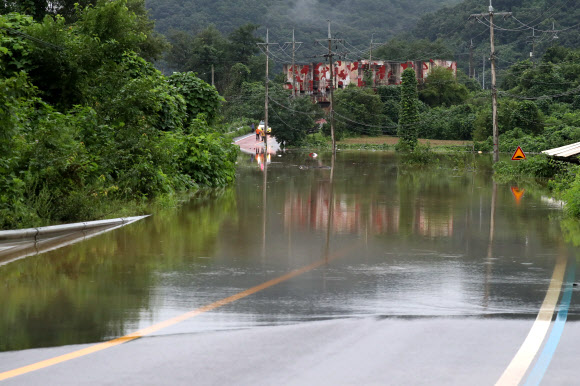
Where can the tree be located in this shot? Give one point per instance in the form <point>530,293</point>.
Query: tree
<point>408,49</point>
<point>409,115</point>
<point>391,99</point>
<point>200,97</point>
<point>442,89</point>
<point>358,111</point>
<point>180,54</point>
<point>239,74</point>
<point>243,43</point>
<point>292,118</point>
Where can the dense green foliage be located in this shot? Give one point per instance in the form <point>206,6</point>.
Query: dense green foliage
<point>404,49</point>
<point>87,122</point>
<point>357,111</point>
<point>409,115</point>
<point>227,60</point>
<point>441,89</point>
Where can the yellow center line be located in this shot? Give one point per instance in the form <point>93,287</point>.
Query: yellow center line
<point>169,322</point>
<point>517,368</point>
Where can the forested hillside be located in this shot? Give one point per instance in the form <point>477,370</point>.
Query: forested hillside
<point>535,26</point>
<point>354,21</point>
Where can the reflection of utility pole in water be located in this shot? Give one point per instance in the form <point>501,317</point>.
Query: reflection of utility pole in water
<point>330,208</point>
<point>264,204</point>
<point>290,223</point>
<point>490,244</point>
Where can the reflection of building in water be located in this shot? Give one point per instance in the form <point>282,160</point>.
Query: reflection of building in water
<point>351,216</point>
<point>348,216</point>
<point>383,218</point>
<point>436,225</point>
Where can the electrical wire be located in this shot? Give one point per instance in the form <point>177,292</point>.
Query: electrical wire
<point>566,93</point>
<point>32,38</point>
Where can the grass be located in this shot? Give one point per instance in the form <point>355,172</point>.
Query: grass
<point>387,140</point>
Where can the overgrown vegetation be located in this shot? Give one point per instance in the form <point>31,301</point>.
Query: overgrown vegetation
<point>409,115</point>
<point>87,122</point>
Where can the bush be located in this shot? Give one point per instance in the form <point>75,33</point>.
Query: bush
<point>539,166</point>
<point>209,159</point>
<point>421,154</point>
<point>455,123</point>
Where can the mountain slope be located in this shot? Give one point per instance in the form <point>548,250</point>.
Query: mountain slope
<point>355,20</point>
<point>535,26</point>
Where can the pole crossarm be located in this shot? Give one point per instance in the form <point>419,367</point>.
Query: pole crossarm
<point>483,15</point>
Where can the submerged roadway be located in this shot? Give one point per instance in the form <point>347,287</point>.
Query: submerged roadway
<point>343,351</point>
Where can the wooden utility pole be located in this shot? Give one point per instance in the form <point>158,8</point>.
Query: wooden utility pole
<point>212,75</point>
<point>371,61</point>
<point>491,14</point>
<point>331,98</point>
<point>483,74</point>
<point>471,67</point>
<point>267,44</point>
<point>293,64</point>
<point>371,64</point>
<point>266,101</point>
<point>331,89</point>
<point>533,39</point>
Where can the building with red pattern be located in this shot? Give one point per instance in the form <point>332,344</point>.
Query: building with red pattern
<point>314,78</point>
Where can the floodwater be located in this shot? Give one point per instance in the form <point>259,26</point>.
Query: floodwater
<point>388,240</point>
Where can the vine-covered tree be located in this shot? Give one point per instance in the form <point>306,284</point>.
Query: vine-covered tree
<point>409,115</point>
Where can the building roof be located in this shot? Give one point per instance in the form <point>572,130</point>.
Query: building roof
<point>564,151</point>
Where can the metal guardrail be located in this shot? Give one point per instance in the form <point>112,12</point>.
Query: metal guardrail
<point>22,243</point>
<point>35,233</point>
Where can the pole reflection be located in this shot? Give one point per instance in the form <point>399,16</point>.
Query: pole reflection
<point>330,207</point>
<point>264,167</point>
<point>489,260</point>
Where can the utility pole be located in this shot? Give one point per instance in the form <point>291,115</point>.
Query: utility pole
<point>331,89</point>
<point>293,64</point>
<point>533,39</point>
<point>483,74</point>
<point>471,68</point>
<point>266,102</point>
<point>212,75</point>
<point>491,14</point>
<point>267,44</point>
<point>371,64</point>
<point>329,56</point>
<point>555,36</point>
<point>371,61</point>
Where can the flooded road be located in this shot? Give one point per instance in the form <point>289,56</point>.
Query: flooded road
<point>365,238</point>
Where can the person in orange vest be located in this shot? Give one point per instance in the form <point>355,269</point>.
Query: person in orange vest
<point>258,134</point>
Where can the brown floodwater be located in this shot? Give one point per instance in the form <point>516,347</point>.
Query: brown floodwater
<point>388,240</point>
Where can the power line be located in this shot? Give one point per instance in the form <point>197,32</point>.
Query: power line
<point>32,38</point>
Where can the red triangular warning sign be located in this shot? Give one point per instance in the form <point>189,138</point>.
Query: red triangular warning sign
<point>518,155</point>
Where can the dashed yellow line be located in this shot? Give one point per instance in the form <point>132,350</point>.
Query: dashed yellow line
<point>517,368</point>
<point>169,322</point>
